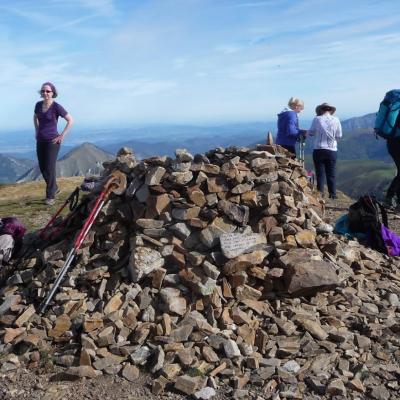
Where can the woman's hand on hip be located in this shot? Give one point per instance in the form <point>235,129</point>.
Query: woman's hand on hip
<point>58,139</point>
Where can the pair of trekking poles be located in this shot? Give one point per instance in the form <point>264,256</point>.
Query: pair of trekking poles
<point>116,183</point>
<point>302,146</point>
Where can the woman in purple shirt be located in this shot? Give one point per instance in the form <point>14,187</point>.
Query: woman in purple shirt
<point>48,140</point>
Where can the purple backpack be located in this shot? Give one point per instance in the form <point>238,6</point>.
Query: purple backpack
<point>14,227</point>
<point>392,241</point>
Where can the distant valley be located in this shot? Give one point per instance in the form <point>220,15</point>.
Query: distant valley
<point>364,164</point>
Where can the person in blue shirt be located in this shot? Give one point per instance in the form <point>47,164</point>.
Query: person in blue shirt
<point>288,125</point>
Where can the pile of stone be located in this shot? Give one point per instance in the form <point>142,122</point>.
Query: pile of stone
<point>213,271</point>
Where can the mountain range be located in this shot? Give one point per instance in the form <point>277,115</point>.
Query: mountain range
<point>84,159</point>
<point>12,168</point>
<point>368,167</point>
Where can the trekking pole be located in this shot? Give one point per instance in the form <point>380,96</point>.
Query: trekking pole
<point>302,147</point>
<point>116,183</point>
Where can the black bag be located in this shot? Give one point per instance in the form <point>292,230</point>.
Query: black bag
<point>366,216</point>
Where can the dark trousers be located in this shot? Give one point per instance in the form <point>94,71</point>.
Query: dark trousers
<point>292,149</point>
<point>47,153</point>
<point>393,147</point>
<point>325,165</point>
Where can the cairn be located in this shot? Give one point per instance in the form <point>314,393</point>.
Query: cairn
<point>213,271</point>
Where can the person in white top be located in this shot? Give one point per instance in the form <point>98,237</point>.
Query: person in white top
<point>327,129</point>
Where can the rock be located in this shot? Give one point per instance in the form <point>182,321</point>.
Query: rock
<point>336,388</point>
<point>379,392</point>
<point>143,261</point>
<point>8,302</point>
<point>25,316</point>
<point>291,366</point>
<point>305,238</point>
<point>235,244</point>
<point>159,385</point>
<point>211,271</point>
<point>174,302</point>
<point>154,176</point>
<point>308,277</point>
<point>356,384</point>
<point>314,328</point>
<point>237,213</point>
<point>187,384</point>
<point>231,348</point>
<point>83,371</point>
<point>205,393</point>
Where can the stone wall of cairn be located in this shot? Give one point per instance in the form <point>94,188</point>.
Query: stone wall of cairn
<point>213,271</point>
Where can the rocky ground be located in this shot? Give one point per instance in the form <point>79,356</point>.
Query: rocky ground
<point>230,286</point>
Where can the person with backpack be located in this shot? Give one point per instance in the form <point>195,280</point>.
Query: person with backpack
<point>327,130</point>
<point>387,126</point>
<point>288,125</point>
<point>48,140</point>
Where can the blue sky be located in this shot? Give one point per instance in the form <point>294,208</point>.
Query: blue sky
<point>121,62</point>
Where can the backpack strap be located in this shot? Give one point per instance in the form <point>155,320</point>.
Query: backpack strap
<point>377,208</point>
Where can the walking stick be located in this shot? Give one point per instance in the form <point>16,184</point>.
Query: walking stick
<point>116,183</point>
<point>302,148</point>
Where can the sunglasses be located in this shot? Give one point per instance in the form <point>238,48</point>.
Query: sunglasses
<point>46,91</point>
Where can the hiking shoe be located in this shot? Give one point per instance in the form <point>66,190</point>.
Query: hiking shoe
<point>49,202</point>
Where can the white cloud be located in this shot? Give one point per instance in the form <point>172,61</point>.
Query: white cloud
<point>103,7</point>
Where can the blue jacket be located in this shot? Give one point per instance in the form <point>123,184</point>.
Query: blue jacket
<point>288,128</point>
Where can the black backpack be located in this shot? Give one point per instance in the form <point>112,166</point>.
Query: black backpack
<point>367,215</point>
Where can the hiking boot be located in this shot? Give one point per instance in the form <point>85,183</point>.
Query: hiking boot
<point>333,196</point>
<point>49,202</point>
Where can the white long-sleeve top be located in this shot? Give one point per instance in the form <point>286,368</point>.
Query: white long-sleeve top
<point>326,128</point>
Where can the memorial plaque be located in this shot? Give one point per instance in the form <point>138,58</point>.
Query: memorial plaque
<point>235,244</point>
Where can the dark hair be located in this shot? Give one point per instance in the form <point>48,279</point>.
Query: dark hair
<point>53,88</point>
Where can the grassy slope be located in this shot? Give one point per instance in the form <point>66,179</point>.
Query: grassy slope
<point>356,177</point>
<point>25,201</point>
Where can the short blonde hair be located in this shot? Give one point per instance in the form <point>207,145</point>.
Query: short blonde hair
<point>294,101</point>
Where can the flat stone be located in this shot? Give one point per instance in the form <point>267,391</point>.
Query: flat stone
<point>187,384</point>
<point>113,304</point>
<point>245,292</point>
<point>148,223</point>
<point>235,244</point>
<point>181,178</point>
<point>308,277</point>
<point>25,316</point>
<point>314,328</point>
<point>83,371</point>
<point>305,238</point>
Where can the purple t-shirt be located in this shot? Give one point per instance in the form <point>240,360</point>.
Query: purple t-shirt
<point>48,120</point>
